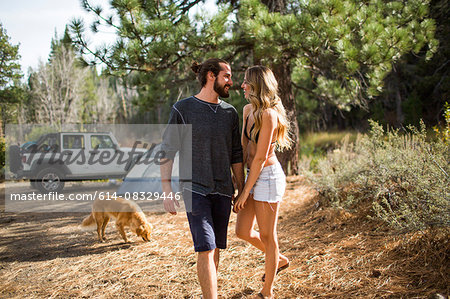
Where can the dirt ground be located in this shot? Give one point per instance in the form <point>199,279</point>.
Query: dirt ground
<point>333,253</point>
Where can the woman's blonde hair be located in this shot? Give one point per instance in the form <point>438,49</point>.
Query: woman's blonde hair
<point>263,94</point>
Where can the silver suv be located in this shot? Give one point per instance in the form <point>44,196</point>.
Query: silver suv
<point>70,156</point>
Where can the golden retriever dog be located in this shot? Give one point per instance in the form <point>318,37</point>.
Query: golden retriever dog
<point>126,213</point>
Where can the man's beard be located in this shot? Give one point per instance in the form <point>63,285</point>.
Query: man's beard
<point>221,90</point>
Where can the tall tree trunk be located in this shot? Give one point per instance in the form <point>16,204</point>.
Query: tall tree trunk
<point>282,71</point>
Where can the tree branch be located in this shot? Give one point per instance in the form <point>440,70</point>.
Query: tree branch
<point>306,89</point>
<point>89,7</point>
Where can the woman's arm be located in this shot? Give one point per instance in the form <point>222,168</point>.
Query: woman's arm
<point>268,126</point>
<point>244,140</point>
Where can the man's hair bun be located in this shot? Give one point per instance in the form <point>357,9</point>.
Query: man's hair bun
<point>196,67</point>
<point>209,65</point>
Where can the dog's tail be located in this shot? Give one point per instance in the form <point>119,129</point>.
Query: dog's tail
<point>88,221</point>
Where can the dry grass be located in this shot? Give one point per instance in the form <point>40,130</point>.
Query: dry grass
<point>334,254</point>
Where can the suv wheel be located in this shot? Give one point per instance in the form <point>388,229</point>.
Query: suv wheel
<point>50,180</point>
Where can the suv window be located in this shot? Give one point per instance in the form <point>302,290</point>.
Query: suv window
<point>101,141</point>
<point>48,143</point>
<point>73,141</point>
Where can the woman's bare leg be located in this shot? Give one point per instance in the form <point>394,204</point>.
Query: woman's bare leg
<point>267,216</point>
<point>245,223</point>
<point>245,228</point>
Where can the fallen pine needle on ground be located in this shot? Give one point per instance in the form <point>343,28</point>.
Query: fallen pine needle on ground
<point>333,253</point>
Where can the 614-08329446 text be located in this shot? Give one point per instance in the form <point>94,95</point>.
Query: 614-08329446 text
<point>56,196</point>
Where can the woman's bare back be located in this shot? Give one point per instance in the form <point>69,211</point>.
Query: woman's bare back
<point>251,146</point>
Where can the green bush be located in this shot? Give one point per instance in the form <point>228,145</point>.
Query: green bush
<point>444,131</point>
<point>314,146</point>
<point>404,176</point>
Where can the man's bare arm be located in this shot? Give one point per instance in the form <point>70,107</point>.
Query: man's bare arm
<point>238,172</point>
<point>166,182</point>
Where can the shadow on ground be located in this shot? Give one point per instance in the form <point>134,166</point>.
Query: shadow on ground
<point>40,237</point>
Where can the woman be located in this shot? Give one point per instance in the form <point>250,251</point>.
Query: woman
<point>265,129</point>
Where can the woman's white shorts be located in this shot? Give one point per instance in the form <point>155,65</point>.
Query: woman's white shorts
<point>270,185</point>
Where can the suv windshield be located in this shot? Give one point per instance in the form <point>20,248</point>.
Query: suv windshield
<point>48,142</point>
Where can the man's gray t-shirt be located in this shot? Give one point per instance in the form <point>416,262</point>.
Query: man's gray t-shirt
<point>216,143</point>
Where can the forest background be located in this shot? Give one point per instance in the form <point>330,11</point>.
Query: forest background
<point>338,63</point>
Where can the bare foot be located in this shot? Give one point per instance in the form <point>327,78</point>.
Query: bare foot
<point>282,261</point>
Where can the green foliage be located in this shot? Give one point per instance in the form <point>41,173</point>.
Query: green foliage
<point>38,131</point>
<point>347,47</point>
<point>318,144</point>
<point>403,176</point>
<point>12,100</point>
<point>151,35</point>
<point>9,65</point>
<point>12,93</point>
<point>418,87</point>
<point>444,132</point>
<point>156,43</point>
<point>314,146</point>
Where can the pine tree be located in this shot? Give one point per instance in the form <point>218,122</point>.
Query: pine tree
<point>9,65</point>
<point>346,48</point>
<point>417,88</point>
<point>11,92</point>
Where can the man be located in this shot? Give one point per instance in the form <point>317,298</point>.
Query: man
<point>216,145</point>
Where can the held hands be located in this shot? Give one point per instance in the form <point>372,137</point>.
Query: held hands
<point>240,202</point>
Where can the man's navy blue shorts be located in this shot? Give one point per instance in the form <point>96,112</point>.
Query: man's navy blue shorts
<point>208,220</point>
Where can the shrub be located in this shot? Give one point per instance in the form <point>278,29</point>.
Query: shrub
<point>404,176</point>
<point>444,131</point>
<point>314,146</point>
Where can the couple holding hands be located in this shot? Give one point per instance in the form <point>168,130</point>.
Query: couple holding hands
<point>217,146</point>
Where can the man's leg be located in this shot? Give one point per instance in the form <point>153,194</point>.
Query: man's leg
<point>202,230</point>
<point>216,258</point>
<point>207,274</point>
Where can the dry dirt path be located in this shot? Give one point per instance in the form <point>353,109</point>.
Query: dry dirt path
<point>333,254</point>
